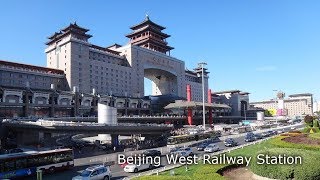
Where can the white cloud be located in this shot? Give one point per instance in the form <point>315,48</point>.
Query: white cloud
<point>266,68</point>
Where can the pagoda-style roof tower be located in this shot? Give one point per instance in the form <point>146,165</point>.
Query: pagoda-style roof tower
<point>149,35</point>
<point>77,31</point>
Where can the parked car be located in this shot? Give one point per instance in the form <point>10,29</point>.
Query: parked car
<point>134,168</point>
<point>230,142</point>
<point>212,148</point>
<point>202,146</point>
<point>98,172</point>
<point>152,153</point>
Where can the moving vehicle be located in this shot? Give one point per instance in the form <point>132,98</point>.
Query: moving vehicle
<point>265,134</point>
<point>249,138</point>
<point>202,146</point>
<point>174,150</point>
<point>212,148</point>
<point>133,168</point>
<point>271,133</point>
<point>172,140</point>
<point>258,136</point>
<point>230,142</point>
<point>18,165</point>
<point>152,153</point>
<point>185,152</point>
<point>98,172</point>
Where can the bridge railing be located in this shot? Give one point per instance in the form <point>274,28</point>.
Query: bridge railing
<point>62,123</point>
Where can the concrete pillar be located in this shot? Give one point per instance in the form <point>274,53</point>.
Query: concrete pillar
<point>189,109</point>
<point>210,110</point>
<point>27,104</point>
<point>114,140</point>
<point>106,115</point>
<point>76,105</point>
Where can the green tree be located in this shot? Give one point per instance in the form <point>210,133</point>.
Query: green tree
<point>308,120</point>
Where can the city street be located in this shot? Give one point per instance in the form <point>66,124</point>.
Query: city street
<point>117,171</point>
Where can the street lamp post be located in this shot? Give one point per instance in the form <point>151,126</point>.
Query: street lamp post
<point>275,104</point>
<point>203,106</point>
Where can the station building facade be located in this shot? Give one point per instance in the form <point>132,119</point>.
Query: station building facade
<point>80,74</point>
<point>120,70</point>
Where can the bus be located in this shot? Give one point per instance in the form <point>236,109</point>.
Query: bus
<point>172,140</point>
<point>23,164</point>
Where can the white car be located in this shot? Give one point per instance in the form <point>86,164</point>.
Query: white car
<point>212,148</point>
<point>133,168</point>
<point>99,172</point>
<point>280,131</point>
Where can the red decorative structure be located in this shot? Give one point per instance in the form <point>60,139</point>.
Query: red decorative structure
<point>210,110</point>
<point>189,109</point>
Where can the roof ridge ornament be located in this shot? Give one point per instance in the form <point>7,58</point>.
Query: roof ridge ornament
<point>147,16</point>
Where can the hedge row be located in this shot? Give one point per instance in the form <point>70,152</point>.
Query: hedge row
<point>309,169</point>
<point>278,142</point>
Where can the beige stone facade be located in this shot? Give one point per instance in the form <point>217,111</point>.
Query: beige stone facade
<point>22,75</point>
<point>119,70</point>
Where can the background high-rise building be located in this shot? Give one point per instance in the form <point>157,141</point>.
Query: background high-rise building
<point>294,105</point>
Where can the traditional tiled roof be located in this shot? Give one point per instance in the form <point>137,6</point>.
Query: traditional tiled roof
<point>31,67</point>
<point>146,22</point>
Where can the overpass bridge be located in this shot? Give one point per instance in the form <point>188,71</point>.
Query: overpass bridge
<point>124,119</point>
<point>28,131</point>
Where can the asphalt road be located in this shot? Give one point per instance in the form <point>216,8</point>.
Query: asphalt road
<point>117,171</point>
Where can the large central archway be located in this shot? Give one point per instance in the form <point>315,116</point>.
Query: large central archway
<point>163,82</point>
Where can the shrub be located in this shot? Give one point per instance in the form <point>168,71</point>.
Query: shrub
<point>308,129</point>
<point>309,169</point>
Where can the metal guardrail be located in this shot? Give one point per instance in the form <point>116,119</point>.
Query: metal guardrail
<point>166,168</point>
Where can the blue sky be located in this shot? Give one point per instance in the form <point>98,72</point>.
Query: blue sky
<point>250,45</point>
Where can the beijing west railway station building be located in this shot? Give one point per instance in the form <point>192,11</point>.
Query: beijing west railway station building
<point>80,74</point>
